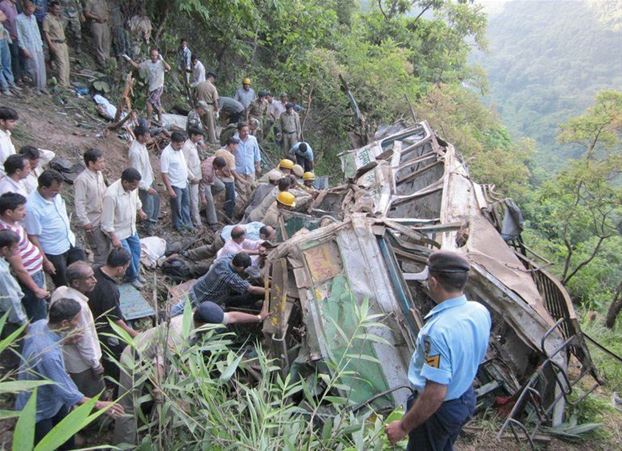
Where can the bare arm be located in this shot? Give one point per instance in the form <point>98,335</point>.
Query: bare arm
<point>169,187</point>
<point>426,404</point>
<point>241,317</point>
<point>20,271</point>
<point>48,266</point>
<point>126,327</point>
<point>256,290</point>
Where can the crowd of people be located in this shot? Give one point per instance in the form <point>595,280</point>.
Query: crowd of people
<point>73,333</point>
<point>60,280</point>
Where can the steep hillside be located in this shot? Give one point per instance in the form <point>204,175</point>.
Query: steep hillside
<point>546,60</point>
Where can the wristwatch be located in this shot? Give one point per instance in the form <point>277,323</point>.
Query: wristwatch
<point>259,317</point>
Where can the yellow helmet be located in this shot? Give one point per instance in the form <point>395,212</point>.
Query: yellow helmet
<point>286,164</point>
<point>286,198</point>
<point>246,81</point>
<point>297,170</point>
<point>308,176</point>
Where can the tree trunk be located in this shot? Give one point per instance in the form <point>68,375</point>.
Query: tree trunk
<point>614,308</point>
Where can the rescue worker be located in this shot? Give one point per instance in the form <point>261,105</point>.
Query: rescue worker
<point>206,91</point>
<point>285,166</point>
<point>245,95</point>
<point>194,116</point>
<point>449,349</point>
<point>298,172</point>
<point>284,201</point>
<point>308,178</point>
<point>73,17</point>
<point>259,110</point>
<point>98,12</point>
<point>54,33</point>
<point>291,131</point>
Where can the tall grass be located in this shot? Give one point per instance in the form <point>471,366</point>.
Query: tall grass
<point>216,397</point>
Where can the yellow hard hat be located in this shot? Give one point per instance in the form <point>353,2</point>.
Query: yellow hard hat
<point>286,164</point>
<point>308,176</point>
<point>246,81</point>
<point>297,170</point>
<point>286,198</point>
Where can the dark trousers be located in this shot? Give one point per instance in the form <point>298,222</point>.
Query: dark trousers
<point>44,426</point>
<point>441,430</point>
<point>229,206</point>
<point>16,61</point>
<point>35,308</point>
<point>61,262</point>
<point>305,163</point>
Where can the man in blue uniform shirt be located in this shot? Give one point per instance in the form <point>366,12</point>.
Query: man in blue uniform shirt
<point>449,349</point>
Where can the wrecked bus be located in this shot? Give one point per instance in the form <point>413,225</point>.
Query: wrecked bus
<point>368,240</point>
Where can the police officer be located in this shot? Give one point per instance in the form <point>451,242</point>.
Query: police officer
<point>449,349</point>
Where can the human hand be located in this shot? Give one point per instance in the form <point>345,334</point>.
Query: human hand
<point>142,215</point>
<point>395,431</point>
<point>98,370</point>
<point>116,242</point>
<point>27,54</point>
<point>152,191</point>
<point>172,194</point>
<point>49,267</point>
<point>41,293</point>
<point>114,410</point>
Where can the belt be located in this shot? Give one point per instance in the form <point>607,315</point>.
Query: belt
<point>290,133</point>
<point>58,41</point>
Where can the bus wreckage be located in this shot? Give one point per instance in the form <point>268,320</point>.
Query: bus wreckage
<point>367,241</point>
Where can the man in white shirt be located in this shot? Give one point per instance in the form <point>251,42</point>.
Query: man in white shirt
<point>139,160</point>
<point>193,162</point>
<point>8,121</point>
<point>198,71</point>
<point>89,188</point>
<point>16,168</point>
<point>175,176</point>
<point>121,204</point>
<point>82,353</point>
<point>153,71</point>
<point>239,243</point>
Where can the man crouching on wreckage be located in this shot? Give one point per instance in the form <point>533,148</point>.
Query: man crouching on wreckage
<point>449,349</point>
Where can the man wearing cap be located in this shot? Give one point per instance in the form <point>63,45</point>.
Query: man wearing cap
<point>245,95</point>
<point>285,201</point>
<point>289,123</point>
<point>308,178</point>
<point>206,91</point>
<point>303,154</point>
<point>449,349</point>
<point>285,166</point>
<point>148,351</point>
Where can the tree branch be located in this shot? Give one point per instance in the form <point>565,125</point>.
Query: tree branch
<point>586,261</point>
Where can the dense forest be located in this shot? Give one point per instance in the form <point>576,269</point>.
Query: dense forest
<point>545,63</point>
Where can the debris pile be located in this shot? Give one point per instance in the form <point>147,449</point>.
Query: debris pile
<point>368,241</point>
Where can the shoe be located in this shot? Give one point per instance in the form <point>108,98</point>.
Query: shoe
<point>7,93</point>
<point>15,88</point>
<point>141,279</point>
<point>137,284</point>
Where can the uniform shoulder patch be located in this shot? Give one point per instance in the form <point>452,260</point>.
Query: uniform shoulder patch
<point>431,360</point>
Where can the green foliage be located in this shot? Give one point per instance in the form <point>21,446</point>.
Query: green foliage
<point>241,400</point>
<point>546,63</point>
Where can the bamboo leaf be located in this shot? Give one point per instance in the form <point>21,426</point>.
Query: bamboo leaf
<point>24,434</point>
<point>17,386</point>
<point>77,420</point>
<point>228,372</point>
<point>8,341</point>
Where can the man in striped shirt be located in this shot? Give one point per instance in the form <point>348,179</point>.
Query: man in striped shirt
<point>28,264</point>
